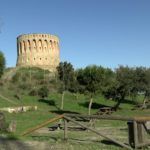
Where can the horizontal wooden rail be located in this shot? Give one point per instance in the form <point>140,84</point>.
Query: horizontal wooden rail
<point>111,117</point>
<point>106,117</point>
<point>69,117</point>
<point>142,119</point>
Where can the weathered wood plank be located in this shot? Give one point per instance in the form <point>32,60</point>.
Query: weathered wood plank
<point>135,134</point>
<point>111,117</point>
<point>65,129</point>
<point>106,117</point>
<point>42,125</point>
<point>140,133</point>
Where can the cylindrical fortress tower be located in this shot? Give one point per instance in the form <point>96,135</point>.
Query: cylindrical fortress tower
<point>38,50</point>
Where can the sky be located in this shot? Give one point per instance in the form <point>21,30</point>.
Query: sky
<point>102,32</point>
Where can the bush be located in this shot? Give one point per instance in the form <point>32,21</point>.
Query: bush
<point>15,78</point>
<point>24,86</point>
<point>43,92</point>
<point>33,92</point>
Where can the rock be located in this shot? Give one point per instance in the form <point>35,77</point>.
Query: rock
<point>148,125</point>
<point>12,127</point>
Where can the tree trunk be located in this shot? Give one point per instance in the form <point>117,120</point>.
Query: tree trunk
<point>144,102</point>
<point>90,105</point>
<point>118,103</point>
<point>62,100</point>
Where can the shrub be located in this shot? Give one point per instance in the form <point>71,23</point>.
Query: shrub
<point>43,92</point>
<point>24,86</point>
<point>15,78</point>
<point>33,92</point>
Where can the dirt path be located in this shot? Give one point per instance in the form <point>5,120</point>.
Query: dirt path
<point>54,139</point>
<point>7,144</point>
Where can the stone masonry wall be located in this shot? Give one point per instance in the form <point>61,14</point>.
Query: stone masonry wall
<point>39,50</point>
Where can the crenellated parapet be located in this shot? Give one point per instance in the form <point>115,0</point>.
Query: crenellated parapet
<point>40,50</point>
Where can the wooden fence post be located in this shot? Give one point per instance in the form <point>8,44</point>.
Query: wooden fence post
<point>65,130</point>
<point>135,134</point>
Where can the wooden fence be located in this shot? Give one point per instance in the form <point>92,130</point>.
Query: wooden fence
<point>136,128</point>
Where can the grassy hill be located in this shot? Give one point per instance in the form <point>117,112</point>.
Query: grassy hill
<point>26,80</point>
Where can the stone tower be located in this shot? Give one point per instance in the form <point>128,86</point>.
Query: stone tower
<point>38,50</point>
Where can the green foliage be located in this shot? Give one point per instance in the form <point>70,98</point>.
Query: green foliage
<point>66,75</point>
<point>2,63</point>
<point>124,76</point>
<point>95,78</point>
<point>123,82</point>
<point>31,78</point>
<point>33,92</point>
<point>24,86</point>
<point>147,79</point>
<point>133,80</point>
<point>118,84</point>
<point>43,92</point>
<point>15,78</point>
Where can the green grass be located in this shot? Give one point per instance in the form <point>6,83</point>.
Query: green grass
<point>71,104</point>
<point>48,109</point>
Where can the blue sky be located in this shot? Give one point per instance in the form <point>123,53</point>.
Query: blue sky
<point>102,32</point>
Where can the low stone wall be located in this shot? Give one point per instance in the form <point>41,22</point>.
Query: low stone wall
<point>19,109</point>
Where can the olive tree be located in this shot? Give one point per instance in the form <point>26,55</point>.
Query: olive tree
<point>66,75</point>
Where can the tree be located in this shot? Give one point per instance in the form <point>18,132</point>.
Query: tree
<point>147,79</point>
<point>141,83</point>
<point>124,77</point>
<point>2,63</point>
<point>94,79</point>
<point>123,84</point>
<point>67,77</point>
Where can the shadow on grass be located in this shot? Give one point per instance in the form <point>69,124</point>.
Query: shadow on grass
<point>131,102</point>
<point>49,102</point>
<point>12,143</point>
<point>110,143</point>
<point>63,111</point>
<point>58,111</point>
<point>94,105</point>
<point>83,141</point>
<point>76,140</point>
<point>99,106</point>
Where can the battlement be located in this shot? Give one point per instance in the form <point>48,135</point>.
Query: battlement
<point>38,36</point>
